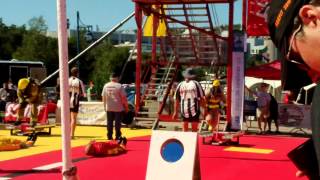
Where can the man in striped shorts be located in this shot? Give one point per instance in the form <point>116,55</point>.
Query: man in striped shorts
<point>189,95</point>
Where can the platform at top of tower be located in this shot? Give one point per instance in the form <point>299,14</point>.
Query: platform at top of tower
<point>181,1</point>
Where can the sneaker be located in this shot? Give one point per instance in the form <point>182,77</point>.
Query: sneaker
<point>268,132</point>
<point>124,141</point>
<point>118,138</point>
<point>32,137</point>
<point>119,141</point>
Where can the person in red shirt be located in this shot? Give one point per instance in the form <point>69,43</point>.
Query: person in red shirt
<point>109,148</point>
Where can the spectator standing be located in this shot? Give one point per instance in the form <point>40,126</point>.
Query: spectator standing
<point>115,104</point>
<point>263,100</point>
<point>273,114</point>
<point>91,92</point>
<point>189,95</point>
<point>76,91</point>
<point>7,95</point>
<point>58,89</point>
<point>3,97</point>
<point>11,85</point>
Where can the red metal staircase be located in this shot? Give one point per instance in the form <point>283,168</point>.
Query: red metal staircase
<point>191,40</point>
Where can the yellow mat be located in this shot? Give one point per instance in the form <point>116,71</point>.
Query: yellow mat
<point>249,150</point>
<point>83,135</point>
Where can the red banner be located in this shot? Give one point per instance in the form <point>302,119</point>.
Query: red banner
<point>257,17</point>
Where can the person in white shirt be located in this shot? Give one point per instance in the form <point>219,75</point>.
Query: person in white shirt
<point>263,110</point>
<point>76,91</point>
<point>115,104</point>
<point>190,96</point>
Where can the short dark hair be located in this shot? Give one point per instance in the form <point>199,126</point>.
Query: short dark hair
<point>74,71</point>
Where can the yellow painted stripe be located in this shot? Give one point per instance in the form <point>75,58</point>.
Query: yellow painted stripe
<point>249,150</point>
<point>83,135</point>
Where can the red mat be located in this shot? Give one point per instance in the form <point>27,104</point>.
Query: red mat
<point>215,162</point>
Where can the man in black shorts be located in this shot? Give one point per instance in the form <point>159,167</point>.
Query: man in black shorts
<point>190,95</point>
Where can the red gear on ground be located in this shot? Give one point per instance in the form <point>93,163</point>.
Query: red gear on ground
<point>104,148</point>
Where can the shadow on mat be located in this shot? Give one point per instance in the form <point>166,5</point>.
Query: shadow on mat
<point>238,145</point>
<point>16,173</point>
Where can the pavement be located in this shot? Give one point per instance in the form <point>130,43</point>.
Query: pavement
<point>250,127</point>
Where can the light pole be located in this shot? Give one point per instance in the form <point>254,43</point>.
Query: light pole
<point>78,41</point>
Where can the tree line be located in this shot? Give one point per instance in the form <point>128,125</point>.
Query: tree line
<point>30,43</point>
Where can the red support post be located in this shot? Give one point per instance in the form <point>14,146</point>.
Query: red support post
<point>229,66</point>
<point>138,17</point>
<point>155,24</point>
<point>244,15</point>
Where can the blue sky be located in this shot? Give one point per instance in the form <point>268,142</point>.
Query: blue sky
<point>104,13</point>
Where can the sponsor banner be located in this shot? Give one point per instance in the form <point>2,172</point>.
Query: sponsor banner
<point>237,94</point>
<point>90,113</point>
<point>295,115</point>
<point>257,17</point>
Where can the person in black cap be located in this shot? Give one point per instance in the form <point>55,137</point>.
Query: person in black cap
<point>294,27</point>
<point>190,95</point>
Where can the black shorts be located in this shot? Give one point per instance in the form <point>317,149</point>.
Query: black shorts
<point>75,108</point>
<point>192,119</point>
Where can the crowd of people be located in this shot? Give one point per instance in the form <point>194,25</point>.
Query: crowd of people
<point>189,97</point>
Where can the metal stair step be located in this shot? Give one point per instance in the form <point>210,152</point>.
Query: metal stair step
<point>199,21</point>
<point>144,119</point>
<point>151,95</point>
<point>158,84</point>
<point>206,46</point>
<point>147,112</point>
<point>165,68</point>
<point>187,8</point>
<point>179,15</point>
<point>207,52</point>
<point>163,73</point>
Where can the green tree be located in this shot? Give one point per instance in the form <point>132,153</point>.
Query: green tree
<point>10,39</point>
<point>35,46</point>
<point>107,59</point>
<point>38,24</point>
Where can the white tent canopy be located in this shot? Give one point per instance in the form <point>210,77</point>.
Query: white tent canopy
<point>250,81</point>
<point>310,86</point>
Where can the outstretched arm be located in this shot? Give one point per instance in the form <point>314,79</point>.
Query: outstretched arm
<point>250,91</point>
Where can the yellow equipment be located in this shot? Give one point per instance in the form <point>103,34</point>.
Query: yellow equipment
<point>23,83</point>
<point>216,83</point>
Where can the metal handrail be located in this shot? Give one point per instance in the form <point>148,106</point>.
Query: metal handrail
<point>92,45</point>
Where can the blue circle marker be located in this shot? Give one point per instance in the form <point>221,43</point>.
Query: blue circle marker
<point>172,150</point>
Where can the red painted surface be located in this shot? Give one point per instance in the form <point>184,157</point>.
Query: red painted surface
<point>215,162</point>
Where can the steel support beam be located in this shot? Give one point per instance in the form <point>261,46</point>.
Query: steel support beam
<point>138,17</point>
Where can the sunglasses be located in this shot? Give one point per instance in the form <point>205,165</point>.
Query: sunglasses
<point>295,57</point>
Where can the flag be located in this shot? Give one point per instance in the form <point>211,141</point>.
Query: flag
<point>148,27</point>
<point>257,17</point>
